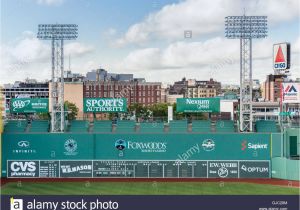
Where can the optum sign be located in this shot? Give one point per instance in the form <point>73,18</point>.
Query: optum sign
<point>105,105</point>
<point>198,105</point>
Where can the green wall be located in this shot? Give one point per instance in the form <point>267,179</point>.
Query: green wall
<point>283,168</point>
<point>288,133</point>
<point>137,147</point>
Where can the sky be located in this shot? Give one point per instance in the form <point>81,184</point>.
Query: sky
<point>145,38</point>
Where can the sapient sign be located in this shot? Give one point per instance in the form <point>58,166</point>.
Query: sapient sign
<point>197,105</point>
<point>29,105</point>
<point>105,105</point>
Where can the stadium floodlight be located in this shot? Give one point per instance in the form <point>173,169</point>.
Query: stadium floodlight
<point>245,28</point>
<point>57,33</point>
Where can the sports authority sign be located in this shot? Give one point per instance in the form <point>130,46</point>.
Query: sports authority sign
<point>281,56</point>
<point>198,105</point>
<point>290,92</point>
<point>29,105</point>
<point>105,105</point>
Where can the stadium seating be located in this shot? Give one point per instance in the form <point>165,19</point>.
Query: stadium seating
<point>125,126</point>
<point>15,126</point>
<point>78,126</point>
<point>225,126</point>
<point>153,127</point>
<point>104,126</point>
<point>178,126</point>
<point>266,126</point>
<point>201,126</point>
<point>39,126</point>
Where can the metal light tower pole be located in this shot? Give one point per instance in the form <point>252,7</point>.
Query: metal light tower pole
<point>246,28</point>
<point>57,33</point>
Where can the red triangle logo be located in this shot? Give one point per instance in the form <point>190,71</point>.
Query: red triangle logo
<point>279,56</point>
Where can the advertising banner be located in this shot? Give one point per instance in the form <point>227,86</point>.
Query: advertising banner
<point>23,169</point>
<point>290,92</point>
<point>139,169</point>
<point>281,56</point>
<point>254,169</point>
<point>113,105</point>
<point>76,168</point>
<point>29,105</point>
<point>190,105</point>
<point>182,147</point>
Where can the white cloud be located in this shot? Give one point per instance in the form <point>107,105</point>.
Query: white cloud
<point>203,18</point>
<point>50,2</point>
<point>28,55</point>
<point>76,49</point>
<point>217,57</point>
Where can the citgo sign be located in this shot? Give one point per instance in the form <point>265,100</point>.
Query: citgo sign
<point>198,105</point>
<point>105,105</point>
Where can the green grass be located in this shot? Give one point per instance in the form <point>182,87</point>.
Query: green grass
<point>145,188</point>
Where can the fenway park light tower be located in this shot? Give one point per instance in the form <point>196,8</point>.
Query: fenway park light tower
<point>57,33</point>
<point>245,28</point>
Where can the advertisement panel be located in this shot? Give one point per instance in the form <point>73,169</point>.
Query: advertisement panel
<point>76,168</point>
<point>113,105</point>
<point>254,169</point>
<point>46,147</point>
<point>190,105</point>
<point>29,105</point>
<point>290,92</point>
<point>281,56</point>
<point>139,169</point>
<point>182,147</point>
<point>23,169</point>
<point>223,169</point>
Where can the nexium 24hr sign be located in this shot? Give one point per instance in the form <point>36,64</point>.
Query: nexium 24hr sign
<point>198,105</point>
<point>105,105</point>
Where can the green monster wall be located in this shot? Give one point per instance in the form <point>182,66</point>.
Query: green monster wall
<point>58,152</point>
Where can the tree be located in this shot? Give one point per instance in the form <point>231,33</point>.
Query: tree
<point>44,116</point>
<point>72,110</point>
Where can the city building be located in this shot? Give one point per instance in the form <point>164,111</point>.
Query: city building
<point>28,89</point>
<point>192,88</point>
<point>171,99</point>
<point>72,77</point>
<point>200,91</point>
<point>145,93</point>
<point>103,75</point>
<point>271,88</point>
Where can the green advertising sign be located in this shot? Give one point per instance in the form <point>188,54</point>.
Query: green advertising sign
<point>29,105</point>
<point>188,105</point>
<point>105,105</point>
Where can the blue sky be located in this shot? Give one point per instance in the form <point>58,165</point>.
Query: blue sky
<point>144,37</point>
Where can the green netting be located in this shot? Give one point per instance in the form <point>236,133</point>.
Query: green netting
<point>201,126</point>
<point>266,126</point>
<point>151,127</point>
<point>78,126</point>
<point>15,126</point>
<point>102,126</point>
<point>225,126</point>
<point>39,126</point>
<point>125,126</point>
<point>177,126</point>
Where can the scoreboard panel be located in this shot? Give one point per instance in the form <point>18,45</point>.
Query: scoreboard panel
<point>138,169</point>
